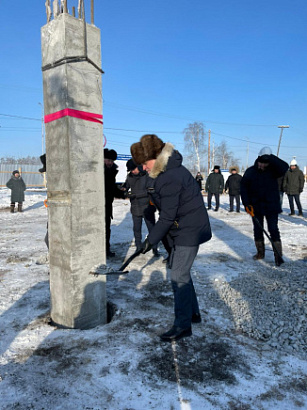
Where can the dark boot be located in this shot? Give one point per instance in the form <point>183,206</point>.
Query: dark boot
<point>277,257</point>
<point>176,333</point>
<point>19,207</point>
<point>260,250</point>
<point>12,208</point>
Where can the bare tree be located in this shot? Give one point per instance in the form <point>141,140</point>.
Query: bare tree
<point>195,148</point>
<point>224,157</point>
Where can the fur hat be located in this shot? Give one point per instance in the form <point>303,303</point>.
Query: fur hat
<point>15,172</point>
<point>131,165</point>
<point>149,147</point>
<point>216,167</point>
<point>110,154</point>
<point>233,168</point>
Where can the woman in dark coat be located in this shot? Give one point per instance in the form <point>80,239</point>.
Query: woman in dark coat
<point>233,186</point>
<point>183,216</point>
<point>18,187</point>
<point>136,186</point>
<point>215,186</point>
<point>259,188</point>
<point>199,178</point>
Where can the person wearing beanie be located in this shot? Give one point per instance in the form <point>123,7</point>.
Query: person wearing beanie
<point>214,186</point>
<point>111,192</point>
<point>259,188</point>
<point>182,217</point>
<point>293,185</point>
<point>136,185</point>
<point>17,186</point>
<point>233,187</point>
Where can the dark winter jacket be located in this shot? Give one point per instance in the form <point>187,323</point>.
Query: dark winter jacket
<point>215,183</point>
<point>138,195</point>
<point>177,196</point>
<point>111,189</point>
<point>260,188</point>
<point>199,178</point>
<point>294,181</point>
<point>280,182</point>
<point>233,184</point>
<point>17,187</point>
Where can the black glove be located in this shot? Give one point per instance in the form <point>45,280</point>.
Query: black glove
<point>146,246</point>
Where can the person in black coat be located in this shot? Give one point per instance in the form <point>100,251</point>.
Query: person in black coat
<point>111,192</point>
<point>17,186</point>
<point>259,188</point>
<point>182,216</point>
<point>136,185</point>
<point>214,186</point>
<point>199,178</point>
<point>232,185</point>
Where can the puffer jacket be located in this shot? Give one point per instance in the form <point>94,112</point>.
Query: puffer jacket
<point>233,184</point>
<point>138,195</point>
<point>293,183</point>
<point>215,183</point>
<point>260,188</point>
<point>18,188</point>
<point>176,195</point>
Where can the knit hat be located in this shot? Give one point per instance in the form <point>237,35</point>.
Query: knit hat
<point>110,154</point>
<point>130,164</point>
<point>15,172</point>
<point>293,162</point>
<point>149,147</point>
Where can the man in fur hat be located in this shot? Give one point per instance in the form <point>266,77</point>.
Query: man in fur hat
<point>182,216</point>
<point>214,186</point>
<point>233,187</point>
<point>111,192</point>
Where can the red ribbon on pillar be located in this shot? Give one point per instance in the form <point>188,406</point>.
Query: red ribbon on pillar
<point>69,112</point>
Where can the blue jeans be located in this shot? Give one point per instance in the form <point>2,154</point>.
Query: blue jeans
<point>185,299</point>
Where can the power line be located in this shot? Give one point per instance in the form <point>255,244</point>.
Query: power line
<point>156,113</point>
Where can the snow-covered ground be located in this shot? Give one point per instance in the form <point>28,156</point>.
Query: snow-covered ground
<point>248,353</point>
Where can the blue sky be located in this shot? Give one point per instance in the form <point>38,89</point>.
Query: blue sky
<point>238,66</point>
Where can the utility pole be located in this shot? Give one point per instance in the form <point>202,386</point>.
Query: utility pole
<point>281,131</point>
<point>209,137</point>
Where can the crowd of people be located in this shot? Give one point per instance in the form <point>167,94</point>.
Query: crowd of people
<point>164,194</point>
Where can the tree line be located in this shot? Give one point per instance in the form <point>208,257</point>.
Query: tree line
<point>21,160</point>
<point>196,151</point>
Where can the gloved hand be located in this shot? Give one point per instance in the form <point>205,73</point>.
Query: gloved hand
<point>146,246</point>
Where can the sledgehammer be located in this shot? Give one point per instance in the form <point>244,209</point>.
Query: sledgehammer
<point>250,210</point>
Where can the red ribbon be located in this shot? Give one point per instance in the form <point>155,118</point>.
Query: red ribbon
<point>69,112</point>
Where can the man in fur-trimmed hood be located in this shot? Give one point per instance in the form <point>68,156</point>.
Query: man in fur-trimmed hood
<point>182,217</point>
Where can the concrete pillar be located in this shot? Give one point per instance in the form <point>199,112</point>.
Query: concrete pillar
<point>75,171</point>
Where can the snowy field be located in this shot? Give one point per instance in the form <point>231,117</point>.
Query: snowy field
<point>249,352</point>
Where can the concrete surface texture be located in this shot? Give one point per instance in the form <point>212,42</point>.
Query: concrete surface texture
<point>75,170</point>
